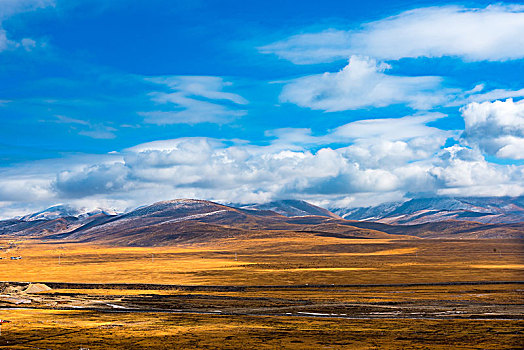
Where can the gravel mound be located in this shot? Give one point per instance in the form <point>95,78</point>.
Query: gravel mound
<point>36,288</point>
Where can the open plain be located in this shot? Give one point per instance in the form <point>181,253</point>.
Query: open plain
<point>275,290</point>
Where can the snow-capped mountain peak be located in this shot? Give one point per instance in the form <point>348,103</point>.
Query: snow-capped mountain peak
<point>421,210</point>
<point>65,210</point>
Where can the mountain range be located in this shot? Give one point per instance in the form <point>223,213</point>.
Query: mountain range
<point>196,221</point>
<point>424,210</point>
<point>64,210</point>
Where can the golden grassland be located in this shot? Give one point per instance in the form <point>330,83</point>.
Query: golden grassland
<point>505,266</point>
<point>295,260</point>
<point>58,330</point>
<point>302,259</point>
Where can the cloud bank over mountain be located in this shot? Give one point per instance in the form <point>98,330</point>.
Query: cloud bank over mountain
<point>382,159</point>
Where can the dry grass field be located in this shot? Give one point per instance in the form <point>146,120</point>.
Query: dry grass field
<point>270,261</point>
<point>285,291</point>
<point>51,329</point>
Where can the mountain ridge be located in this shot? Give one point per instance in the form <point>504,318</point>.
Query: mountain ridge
<point>65,210</point>
<point>293,207</point>
<point>182,221</point>
<point>487,210</point>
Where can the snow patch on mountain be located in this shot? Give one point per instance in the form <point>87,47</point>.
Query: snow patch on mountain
<point>292,207</point>
<point>65,210</point>
<point>422,210</point>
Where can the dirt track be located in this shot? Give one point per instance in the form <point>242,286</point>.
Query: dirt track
<point>156,286</point>
<point>453,300</point>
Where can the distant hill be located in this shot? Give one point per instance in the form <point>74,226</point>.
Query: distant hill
<point>56,219</point>
<point>493,210</point>
<point>183,221</point>
<point>43,227</point>
<point>448,229</point>
<point>54,212</point>
<point>189,221</point>
<point>292,207</point>
<point>194,221</point>
<point>63,211</point>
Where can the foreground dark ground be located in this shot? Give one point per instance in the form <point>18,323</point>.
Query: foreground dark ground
<point>278,292</point>
<point>47,329</point>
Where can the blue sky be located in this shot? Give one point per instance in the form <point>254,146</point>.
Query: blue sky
<point>342,103</point>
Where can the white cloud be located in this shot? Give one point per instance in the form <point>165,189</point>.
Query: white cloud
<point>21,188</point>
<point>310,48</point>
<point>100,132</point>
<point>377,141</point>
<point>91,180</point>
<point>67,120</point>
<point>205,86</point>
<point>375,160</point>
<point>28,44</point>
<point>9,8</point>
<point>174,144</point>
<point>193,100</point>
<point>28,187</point>
<point>513,147</point>
<point>3,40</point>
<point>363,83</point>
<point>390,129</point>
<point>493,33</point>
<point>92,130</point>
<point>463,171</point>
<point>496,94</point>
<point>497,128</point>
<point>477,94</point>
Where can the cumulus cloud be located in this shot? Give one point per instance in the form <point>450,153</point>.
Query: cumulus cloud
<point>363,83</point>
<point>193,100</point>
<point>463,171</point>
<point>378,143</point>
<point>260,173</point>
<point>171,152</point>
<point>375,160</point>
<point>92,180</point>
<point>214,169</point>
<point>493,33</point>
<point>497,128</point>
<point>20,188</point>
